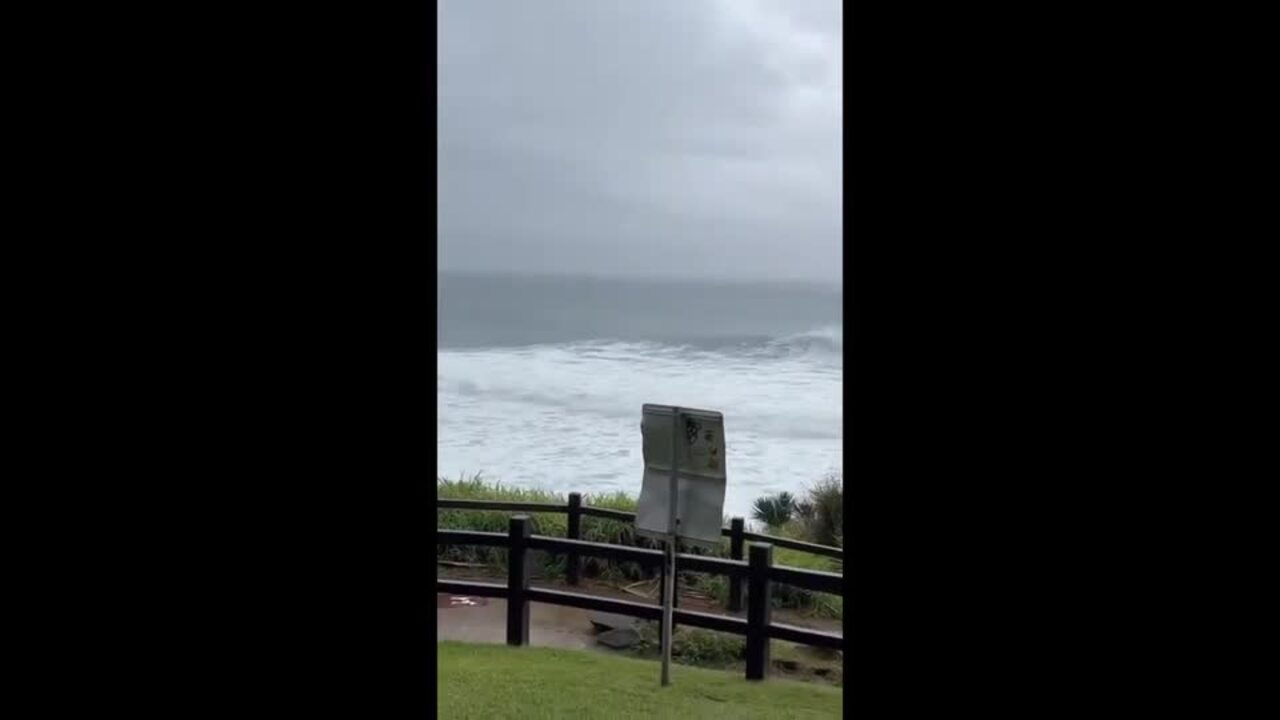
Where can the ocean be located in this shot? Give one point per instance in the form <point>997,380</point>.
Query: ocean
<point>541,380</point>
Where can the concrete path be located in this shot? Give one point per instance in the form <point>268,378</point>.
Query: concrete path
<point>549,625</point>
<point>484,620</point>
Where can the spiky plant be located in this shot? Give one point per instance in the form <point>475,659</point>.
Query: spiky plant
<point>774,510</point>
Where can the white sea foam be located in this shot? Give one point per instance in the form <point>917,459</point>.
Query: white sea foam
<point>567,417</point>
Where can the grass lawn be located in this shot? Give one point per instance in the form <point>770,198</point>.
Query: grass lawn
<point>497,681</point>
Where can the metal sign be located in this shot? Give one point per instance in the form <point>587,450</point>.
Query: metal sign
<point>682,495</point>
<point>699,452</point>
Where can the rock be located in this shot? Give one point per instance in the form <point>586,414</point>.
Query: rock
<point>619,638</point>
<point>609,621</point>
<point>817,653</point>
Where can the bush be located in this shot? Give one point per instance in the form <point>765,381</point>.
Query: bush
<point>774,510</point>
<point>818,518</point>
<point>693,646</point>
<point>821,515</point>
<point>551,524</point>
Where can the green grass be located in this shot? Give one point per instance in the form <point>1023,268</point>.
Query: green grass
<point>496,681</point>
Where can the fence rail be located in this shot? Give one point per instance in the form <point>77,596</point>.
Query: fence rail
<point>736,532</point>
<point>759,574</point>
<point>502,505</point>
<point>827,550</point>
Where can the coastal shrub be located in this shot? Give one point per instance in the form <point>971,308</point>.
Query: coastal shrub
<point>818,518</point>
<point>693,646</point>
<point>821,513</point>
<point>544,564</point>
<point>774,510</point>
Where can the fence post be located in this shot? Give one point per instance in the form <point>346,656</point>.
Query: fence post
<point>759,611</point>
<point>574,568</point>
<point>736,529</point>
<point>518,532</point>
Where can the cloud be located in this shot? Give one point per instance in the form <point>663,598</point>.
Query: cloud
<point>660,138</point>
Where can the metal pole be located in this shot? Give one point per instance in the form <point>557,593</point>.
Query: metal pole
<point>669,567</point>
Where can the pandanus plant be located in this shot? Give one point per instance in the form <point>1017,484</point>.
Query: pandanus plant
<point>774,510</point>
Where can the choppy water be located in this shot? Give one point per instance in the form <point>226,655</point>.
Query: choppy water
<point>541,380</point>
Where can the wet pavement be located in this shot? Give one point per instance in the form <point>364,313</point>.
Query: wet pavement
<point>484,620</point>
<point>549,625</point>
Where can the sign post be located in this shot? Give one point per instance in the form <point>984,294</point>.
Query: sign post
<point>668,599</point>
<point>682,496</point>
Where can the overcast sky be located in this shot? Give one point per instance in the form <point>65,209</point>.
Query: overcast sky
<point>691,138</point>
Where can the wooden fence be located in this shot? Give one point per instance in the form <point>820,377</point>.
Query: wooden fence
<point>736,532</point>
<point>758,573</point>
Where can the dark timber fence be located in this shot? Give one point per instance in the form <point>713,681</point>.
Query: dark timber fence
<point>759,575</point>
<point>736,532</point>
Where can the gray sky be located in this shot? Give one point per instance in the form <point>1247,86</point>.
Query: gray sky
<point>691,138</point>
